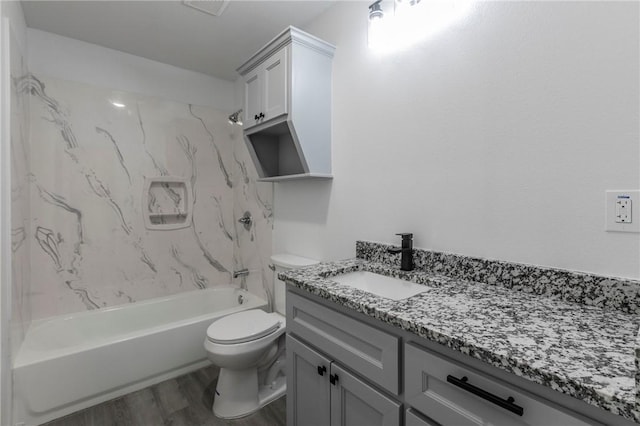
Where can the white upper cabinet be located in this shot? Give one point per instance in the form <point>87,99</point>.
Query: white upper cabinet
<point>287,104</point>
<point>266,90</point>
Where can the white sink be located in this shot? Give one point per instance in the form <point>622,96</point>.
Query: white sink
<point>380,285</point>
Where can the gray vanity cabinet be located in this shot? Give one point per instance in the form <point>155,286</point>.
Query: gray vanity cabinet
<point>370,352</point>
<point>452,394</point>
<point>322,393</point>
<point>355,403</point>
<point>413,418</point>
<point>308,395</point>
<point>339,369</point>
<point>344,369</point>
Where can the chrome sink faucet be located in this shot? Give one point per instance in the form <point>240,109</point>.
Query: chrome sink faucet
<point>406,261</point>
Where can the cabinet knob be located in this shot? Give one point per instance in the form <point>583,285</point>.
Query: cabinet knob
<point>333,378</point>
<point>321,370</point>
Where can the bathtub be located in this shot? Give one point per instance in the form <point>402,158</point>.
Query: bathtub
<point>71,362</point>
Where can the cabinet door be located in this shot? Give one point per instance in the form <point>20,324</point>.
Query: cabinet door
<point>275,85</point>
<point>308,388</point>
<point>252,97</point>
<point>355,403</point>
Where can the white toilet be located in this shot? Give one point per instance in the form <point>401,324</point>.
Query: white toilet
<point>249,349</point>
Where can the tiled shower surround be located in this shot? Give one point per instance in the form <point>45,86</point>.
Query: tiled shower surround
<point>90,159</point>
<point>20,211</point>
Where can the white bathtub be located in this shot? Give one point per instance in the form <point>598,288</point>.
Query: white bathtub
<point>71,362</point>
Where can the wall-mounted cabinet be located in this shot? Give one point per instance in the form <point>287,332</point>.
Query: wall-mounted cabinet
<point>266,90</point>
<point>287,104</point>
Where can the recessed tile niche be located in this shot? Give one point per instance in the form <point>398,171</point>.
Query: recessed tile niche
<point>167,203</point>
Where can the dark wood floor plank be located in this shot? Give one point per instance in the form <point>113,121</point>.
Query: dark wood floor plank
<point>100,415</point>
<point>183,417</point>
<point>169,398</point>
<point>184,401</point>
<point>121,412</point>
<point>75,419</point>
<point>143,408</point>
<point>193,390</point>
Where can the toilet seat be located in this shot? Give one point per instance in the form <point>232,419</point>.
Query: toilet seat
<point>243,327</point>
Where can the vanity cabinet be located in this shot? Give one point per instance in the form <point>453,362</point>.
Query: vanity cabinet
<point>345,368</point>
<point>287,107</point>
<point>339,369</point>
<point>324,393</point>
<point>308,387</point>
<point>453,394</point>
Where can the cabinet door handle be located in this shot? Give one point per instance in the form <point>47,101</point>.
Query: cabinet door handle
<point>507,404</point>
<point>256,117</point>
<point>321,370</point>
<point>333,378</point>
<point>261,115</point>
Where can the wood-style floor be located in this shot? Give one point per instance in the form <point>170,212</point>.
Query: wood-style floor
<point>184,401</point>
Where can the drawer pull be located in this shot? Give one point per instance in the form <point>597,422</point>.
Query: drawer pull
<point>321,370</point>
<point>507,404</point>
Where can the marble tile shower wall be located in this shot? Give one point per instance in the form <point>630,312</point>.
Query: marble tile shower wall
<point>20,226</point>
<point>89,161</point>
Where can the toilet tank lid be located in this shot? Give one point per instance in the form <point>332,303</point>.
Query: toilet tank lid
<point>286,260</point>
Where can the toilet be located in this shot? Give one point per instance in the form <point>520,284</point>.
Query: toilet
<point>248,347</point>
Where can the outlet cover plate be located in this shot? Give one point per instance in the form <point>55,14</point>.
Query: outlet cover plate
<point>610,210</point>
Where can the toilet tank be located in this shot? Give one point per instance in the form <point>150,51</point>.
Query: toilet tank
<point>284,262</point>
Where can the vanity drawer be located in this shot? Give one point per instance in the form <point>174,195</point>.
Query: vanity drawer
<point>413,418</point>
<point>366,350</point>
<point>452,394</point>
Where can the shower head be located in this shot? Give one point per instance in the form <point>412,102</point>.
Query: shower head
<point>235,118</point>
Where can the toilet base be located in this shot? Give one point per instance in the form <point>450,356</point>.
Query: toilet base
<point>238,394</point>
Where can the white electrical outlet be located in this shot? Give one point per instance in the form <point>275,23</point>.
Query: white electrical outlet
<point>622,211</point>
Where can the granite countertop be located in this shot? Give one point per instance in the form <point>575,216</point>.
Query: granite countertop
<point>583,351</point>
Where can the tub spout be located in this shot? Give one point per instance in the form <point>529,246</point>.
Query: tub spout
<point>240,273</point>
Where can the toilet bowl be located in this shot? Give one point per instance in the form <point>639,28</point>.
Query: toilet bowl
<point>248,347</point>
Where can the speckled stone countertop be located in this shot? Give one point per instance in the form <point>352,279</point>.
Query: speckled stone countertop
<point>584,351</point>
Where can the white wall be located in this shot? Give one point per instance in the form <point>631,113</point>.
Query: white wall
<point>497,138</point>
<point>70,59</point>
<point>12,10</point>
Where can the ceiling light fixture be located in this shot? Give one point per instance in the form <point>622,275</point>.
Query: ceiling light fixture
<point>118,104</point>
<point>375,11</point>
<point>406,22</point>
<point>235,118</point>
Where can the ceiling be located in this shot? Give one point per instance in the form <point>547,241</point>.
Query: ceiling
<point>170,32</point>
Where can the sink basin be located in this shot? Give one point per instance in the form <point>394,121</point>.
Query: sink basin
<point>380,285</point>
